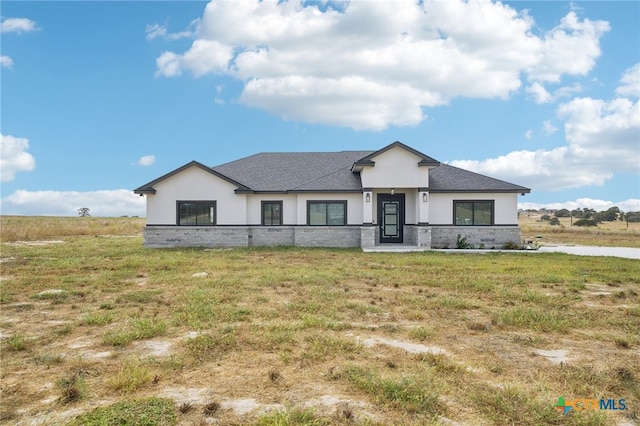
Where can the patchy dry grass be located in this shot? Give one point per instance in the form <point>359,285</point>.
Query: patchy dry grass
<point>100,327</point>
<point>29,229</point>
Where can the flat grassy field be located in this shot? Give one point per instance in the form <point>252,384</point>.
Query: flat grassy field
<point>607,234</point>
<point>97,330</point>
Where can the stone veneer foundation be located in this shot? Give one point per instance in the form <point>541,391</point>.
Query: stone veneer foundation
<point>366,236</point>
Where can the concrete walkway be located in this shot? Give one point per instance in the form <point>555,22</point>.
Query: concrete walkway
<point>625,252</point>
<point>394,248</point>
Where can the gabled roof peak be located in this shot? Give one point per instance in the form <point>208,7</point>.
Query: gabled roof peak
<point>425,160</point>
<point>149,187</point>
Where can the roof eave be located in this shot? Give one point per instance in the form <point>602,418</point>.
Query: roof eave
<point>485,191</point>
<point>148,188</point>
<point>424,158</point>
<point>337,191</point>
<point>360,164</point>
<point>258,191</point>
<point>144,190</point>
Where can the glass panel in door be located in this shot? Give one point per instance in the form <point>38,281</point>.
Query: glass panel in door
<point>390,224</point>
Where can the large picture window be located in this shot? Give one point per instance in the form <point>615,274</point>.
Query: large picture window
<point>477,213</point>
<point>272,213</point>
<point>327,213</point>
<point>196,213</point>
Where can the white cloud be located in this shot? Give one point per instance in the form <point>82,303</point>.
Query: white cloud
<point>571,48</point>
<point>604,134</point>
<point>629,205</point>
<point>18,25</point>
<point>15,25</point>
<point>14,157</point>
<point>630,86</point>
<point>168,65</point>
<point>156,30</point>
<point>218,100</point>
<point>204,57</point>
<point>377,105</point>
<point>552,170</point>
<point>110,203</point>
<point>528,134</point>
<point>542,96</point>
<point>547,128</point>
<point>6,62</point>
<point>147,160</point>
<point>369,65</point>
<point>602,138</point>
<point>567,91</point>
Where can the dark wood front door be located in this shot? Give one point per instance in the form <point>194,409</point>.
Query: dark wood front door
<point>391,217</point>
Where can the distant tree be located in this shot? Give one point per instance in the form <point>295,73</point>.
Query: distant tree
<point>585,213</point>
<point>545,218</point>
<point>554,221</point>
<point>585,222</point>
<point>562,213</point>
<point>84,212</point>
<point>632,216</point>
<point>609,215</point>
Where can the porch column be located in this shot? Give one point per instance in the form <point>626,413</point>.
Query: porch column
<point>367,230</point>
<point>367,206</point>
<point>423,206</point>
<point>423,236</point>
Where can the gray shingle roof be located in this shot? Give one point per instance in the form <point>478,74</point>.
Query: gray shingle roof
<point>296,171</point>
<point>446,178</point>
<point>331,172</point>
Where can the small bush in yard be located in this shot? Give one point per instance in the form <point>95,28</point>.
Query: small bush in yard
<point>72,388</point>
<point>511,245</point>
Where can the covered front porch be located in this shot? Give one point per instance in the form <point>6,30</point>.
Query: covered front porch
<point>395,217</point>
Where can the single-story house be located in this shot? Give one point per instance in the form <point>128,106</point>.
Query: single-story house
<point>395,195</point>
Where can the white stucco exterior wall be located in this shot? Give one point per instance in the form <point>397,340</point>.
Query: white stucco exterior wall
<point>289,207</point>
<point>354,205</point>
<point>410,206</point>
<point>441,207</point>
<point>195,184</point>
<point>395,168</point>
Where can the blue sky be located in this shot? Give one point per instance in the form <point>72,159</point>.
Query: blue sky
<point>98,98</point>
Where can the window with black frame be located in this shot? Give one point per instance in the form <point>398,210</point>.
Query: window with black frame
<point>196,213</point>
<point>473,213</point>
<point>272,213</point>
<point>327,213</point>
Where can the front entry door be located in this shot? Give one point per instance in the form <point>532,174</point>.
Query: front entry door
<point>391,217</point>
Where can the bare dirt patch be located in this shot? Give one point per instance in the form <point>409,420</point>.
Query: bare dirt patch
<point>412,348</point>
<point>36,243</point>
<point>555,356</point>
